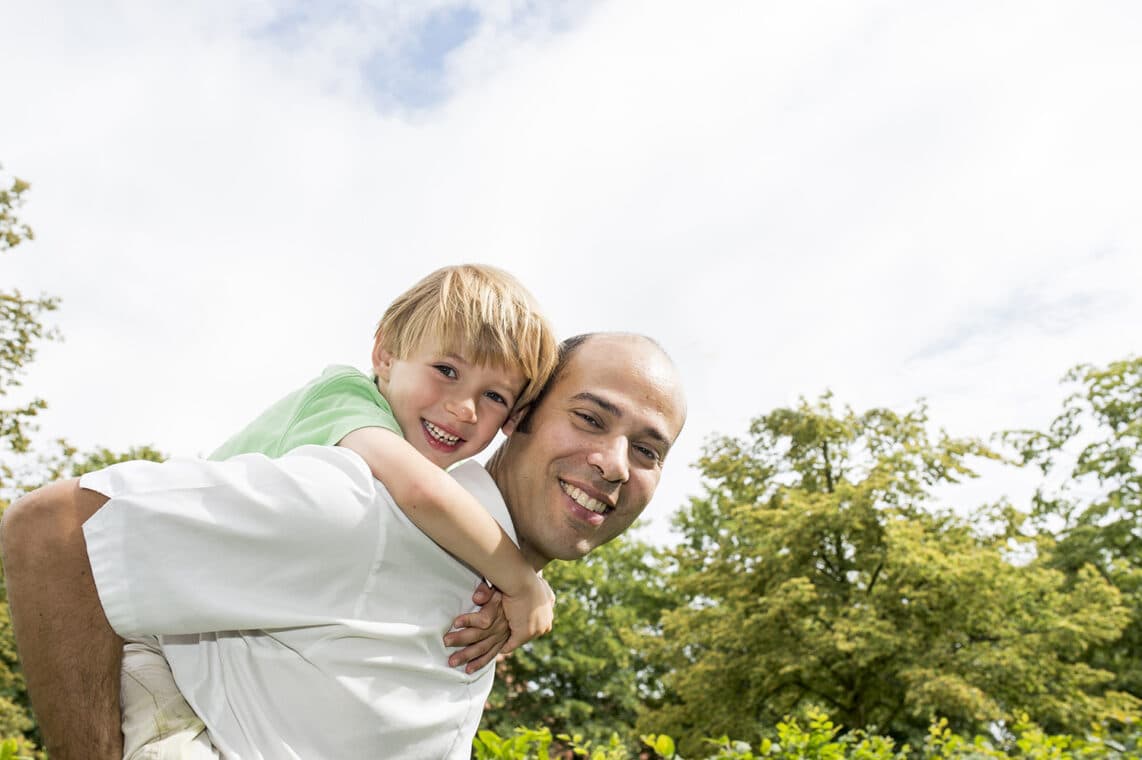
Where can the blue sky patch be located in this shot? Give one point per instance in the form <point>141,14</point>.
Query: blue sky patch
<point>413,77</point>
<point>442,33</point>
<point>405,72</point>
<point>290,26</point>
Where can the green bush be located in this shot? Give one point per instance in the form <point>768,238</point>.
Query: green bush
<point>19,749</point>
<point>821,739</point>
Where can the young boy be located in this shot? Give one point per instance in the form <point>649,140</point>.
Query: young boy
<point>454,358</point>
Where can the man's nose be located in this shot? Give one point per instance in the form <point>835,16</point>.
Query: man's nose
<point>463,409</point>
<point>611,460</point>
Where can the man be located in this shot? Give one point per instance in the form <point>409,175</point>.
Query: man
<point>575,474</point>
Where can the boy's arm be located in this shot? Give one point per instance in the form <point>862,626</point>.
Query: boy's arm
<point>453,518</point>
<point>70,654</point>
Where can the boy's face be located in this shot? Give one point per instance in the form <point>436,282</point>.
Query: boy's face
<point>448,408</point>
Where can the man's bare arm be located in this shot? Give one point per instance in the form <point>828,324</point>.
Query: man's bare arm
<point>71,656</point>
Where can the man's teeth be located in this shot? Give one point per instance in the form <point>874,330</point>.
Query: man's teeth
<point>582,499</point>
<point>440,435</point>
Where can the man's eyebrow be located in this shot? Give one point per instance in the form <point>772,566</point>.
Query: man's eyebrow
<point>615,411</point>
<point>599,401</point>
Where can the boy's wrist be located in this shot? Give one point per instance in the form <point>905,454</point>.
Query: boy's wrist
<point>519,583</point>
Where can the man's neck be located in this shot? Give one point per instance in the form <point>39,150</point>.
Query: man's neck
<point>496,468</point>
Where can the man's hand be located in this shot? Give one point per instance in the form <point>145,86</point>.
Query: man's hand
<point>70,654</point>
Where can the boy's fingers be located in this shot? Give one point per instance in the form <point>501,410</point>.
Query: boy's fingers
<point>480,662</point>
<point>481,618</point>
<point>483,594</point>
<point>479,652</point>
<point>466,636</point>
<point>489,618</point>
<point>467,621</point>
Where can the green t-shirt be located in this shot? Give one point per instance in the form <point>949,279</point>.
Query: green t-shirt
<point>323,412</point>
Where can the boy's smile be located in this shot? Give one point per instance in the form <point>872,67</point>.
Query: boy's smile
<point>439,437</point>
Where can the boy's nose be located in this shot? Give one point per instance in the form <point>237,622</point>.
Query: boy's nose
<point>463,409</point>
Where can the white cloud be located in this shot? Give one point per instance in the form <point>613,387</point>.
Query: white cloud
<point>889,199</point>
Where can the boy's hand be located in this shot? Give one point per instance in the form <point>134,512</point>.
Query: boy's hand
<point>488,632</point>
<point>482,633</point>
<point>530,612</point>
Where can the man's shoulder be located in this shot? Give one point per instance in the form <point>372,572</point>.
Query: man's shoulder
<point>330,467</point>
<point>478,481</point>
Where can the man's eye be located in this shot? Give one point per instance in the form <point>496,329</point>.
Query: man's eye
<point>650,454</point>
<point>496,397</point>
<point>588,419</point>
<point>445,370</point>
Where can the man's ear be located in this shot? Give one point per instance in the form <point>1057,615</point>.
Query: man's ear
<point>382,361</point>
<point>514,419</point>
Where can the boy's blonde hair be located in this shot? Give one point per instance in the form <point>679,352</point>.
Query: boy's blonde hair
<point>478,312</point>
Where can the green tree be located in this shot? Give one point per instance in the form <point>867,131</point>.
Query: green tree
<point>818,573</point>
<point>21,324</point>
<point>1088,512</point>
<point>589,675</point>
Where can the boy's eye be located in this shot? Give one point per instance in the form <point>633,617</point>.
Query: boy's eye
<point>496,397</point>
<point>446,370</point>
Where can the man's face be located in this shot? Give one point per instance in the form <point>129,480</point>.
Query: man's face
<point>595,448</point>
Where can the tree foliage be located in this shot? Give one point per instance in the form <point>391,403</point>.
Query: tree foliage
<point>817,737</point>
<point>817,572</point>
<point>21,324</point>
<point>1088,512</point>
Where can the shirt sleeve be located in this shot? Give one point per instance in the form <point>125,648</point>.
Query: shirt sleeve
<point>335,409</point>
<point>190,546</point>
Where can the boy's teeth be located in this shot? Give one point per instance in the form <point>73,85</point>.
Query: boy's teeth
<point>440,435</point>
<point>582,499</point>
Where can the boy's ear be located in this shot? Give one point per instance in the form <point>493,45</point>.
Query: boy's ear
<point>382,361</point>
<point>514,418</point>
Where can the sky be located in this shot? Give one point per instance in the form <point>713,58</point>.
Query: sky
<point>893,201</point>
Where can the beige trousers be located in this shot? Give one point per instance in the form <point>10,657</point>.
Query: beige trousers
<point>158,724</point>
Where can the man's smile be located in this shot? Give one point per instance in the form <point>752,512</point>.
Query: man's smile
<point>584,499</point>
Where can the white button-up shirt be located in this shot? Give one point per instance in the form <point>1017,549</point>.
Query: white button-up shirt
<point>302,613</point>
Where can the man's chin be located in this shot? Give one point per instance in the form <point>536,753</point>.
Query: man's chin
<point>573,553</point>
